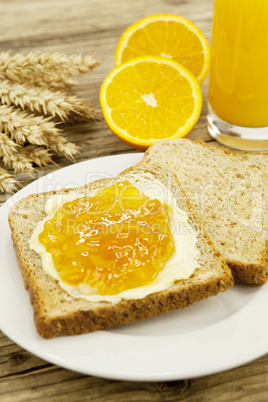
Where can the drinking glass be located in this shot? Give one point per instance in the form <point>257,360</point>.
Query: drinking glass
<point>238,77</point>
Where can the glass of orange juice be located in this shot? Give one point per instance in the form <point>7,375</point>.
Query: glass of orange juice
<point>238,77</point>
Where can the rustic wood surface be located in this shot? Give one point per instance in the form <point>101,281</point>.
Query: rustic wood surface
<point>94,27</point>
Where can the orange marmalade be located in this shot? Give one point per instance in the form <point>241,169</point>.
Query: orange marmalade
<point>115,240</point>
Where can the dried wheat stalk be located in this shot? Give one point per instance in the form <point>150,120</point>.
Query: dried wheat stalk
<point>19,162</point>
<point>7,183</point>
<point>22,128</point>
<point>29,156</point>
<point>11,157</point>
<point>32,93</point>
<point>61,146</point>
<point>45,101</point>
<point>25,127</point>
<point>45,69</point>
<point>35,155</point>
<point>7,146</point>
<point>39,156</point>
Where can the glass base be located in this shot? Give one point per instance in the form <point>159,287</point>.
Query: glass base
<point>237,137</point>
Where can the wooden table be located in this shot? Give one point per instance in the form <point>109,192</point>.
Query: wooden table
<point>94,27</point>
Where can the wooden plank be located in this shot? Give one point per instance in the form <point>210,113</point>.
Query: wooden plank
<point>94,27</point>
<point>245,384</point>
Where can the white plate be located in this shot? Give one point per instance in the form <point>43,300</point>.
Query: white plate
<point>217,334</point>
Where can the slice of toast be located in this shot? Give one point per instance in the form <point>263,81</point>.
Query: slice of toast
<point>229,192</point>
<point>58,313</point>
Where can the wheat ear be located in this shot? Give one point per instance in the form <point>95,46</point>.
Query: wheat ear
<point>25,127</point>
<point>28,156</point>
<point>19,162</point>
<point>46,101</point>
<point>37,155</point>
<point>45,69</point>
<point>61,146</point>
<point>7,146</point>
<point>36,130</point>
<point>7,183</point>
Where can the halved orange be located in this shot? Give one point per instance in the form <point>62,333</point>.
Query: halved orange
<point>150,98</point>
<point>166,35</point>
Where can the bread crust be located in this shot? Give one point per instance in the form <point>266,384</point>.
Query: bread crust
<point>88,316</point>
<point>251,273</point>
<point>255,274</point>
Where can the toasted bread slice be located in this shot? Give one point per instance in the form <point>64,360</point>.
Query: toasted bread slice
<point>229,192</point>
<point>58,313</point>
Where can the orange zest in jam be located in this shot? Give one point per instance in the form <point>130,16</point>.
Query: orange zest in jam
<point>116,240</point>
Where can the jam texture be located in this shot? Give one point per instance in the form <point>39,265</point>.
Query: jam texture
<point>116,240</point>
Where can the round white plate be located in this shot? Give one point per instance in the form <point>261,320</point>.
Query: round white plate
<point>217,334</point>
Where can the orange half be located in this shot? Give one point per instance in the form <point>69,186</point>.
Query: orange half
<point>150,98</point>
<point>166,35</point>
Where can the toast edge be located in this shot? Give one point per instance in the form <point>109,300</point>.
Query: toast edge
<point>126,311</point>
<point>250,274</point>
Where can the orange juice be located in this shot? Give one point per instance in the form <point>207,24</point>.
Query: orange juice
<point>238,82</point>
